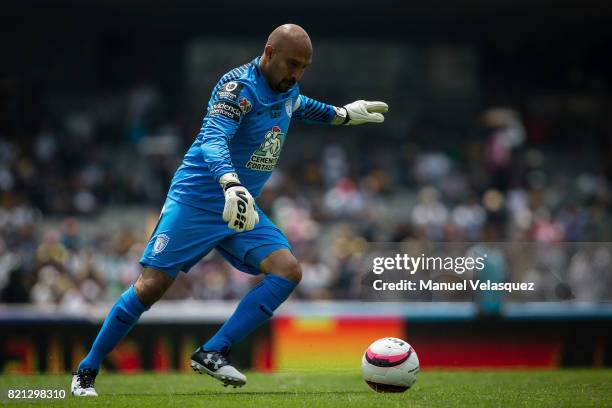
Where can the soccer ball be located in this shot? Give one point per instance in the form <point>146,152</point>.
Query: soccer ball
<point>390,365</point>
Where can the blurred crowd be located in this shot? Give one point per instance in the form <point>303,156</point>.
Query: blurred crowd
<point>516,177</point>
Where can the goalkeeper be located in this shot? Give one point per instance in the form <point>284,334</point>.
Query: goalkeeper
<point>211,202</point>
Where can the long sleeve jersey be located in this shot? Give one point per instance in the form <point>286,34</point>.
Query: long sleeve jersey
<point>243,132</point>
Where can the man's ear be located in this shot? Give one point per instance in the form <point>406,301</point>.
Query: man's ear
<point>269,51</point>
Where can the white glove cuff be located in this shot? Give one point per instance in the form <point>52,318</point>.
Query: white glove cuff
<point>341,117</point>
<point>228,178</point>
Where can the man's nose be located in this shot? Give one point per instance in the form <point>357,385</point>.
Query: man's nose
<point>296,74</point>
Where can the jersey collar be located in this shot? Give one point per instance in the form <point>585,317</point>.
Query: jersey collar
<point>264,87</point>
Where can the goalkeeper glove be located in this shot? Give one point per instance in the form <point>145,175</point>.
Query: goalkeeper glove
<point>359,112</point>
<point>239,211</point>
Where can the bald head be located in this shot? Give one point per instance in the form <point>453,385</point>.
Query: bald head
<point>290,36</point>
<point>287,53</point>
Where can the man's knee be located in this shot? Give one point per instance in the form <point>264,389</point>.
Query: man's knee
<point>151,286</point>
<point>292,271</point>
<point>283,263</point>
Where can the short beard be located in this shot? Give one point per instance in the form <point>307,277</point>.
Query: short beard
<point>283,86</point>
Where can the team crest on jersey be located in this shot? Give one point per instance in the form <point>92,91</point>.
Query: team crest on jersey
<point>266,156</point>
<point>160,243</point>
<point>276,111</point>
<point>288,107</point>
<point>245,105</point>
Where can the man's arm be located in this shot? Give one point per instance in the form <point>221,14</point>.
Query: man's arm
<point>222,122</point>
<point>217,133</point>
<point>231,103</point>
<point>309,110</point>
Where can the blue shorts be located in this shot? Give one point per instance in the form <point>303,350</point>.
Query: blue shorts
<point>185,234</point>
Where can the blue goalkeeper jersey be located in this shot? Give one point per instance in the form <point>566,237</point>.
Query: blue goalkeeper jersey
<point>243,132</point>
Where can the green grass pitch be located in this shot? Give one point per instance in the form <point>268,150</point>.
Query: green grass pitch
<point>562,388</point>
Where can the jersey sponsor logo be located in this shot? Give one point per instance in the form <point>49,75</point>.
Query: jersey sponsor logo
<point>161,242</point>
<point>245,105</point>
<point>288,107</point>
<point>229,110</point>
<point>266,156</point>
<point>230,91</point>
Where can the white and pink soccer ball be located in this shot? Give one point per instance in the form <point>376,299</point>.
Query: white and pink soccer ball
<point>390,365</point>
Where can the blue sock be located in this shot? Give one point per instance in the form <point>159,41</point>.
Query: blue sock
<point>120,320</point>
<point>256,307</point>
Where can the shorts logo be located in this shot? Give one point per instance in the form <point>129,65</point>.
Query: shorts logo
<point>160,243</point>
<point>266,156</point>
<point>288,107</point>
<point>245,105</point>
<point>227,109</point>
